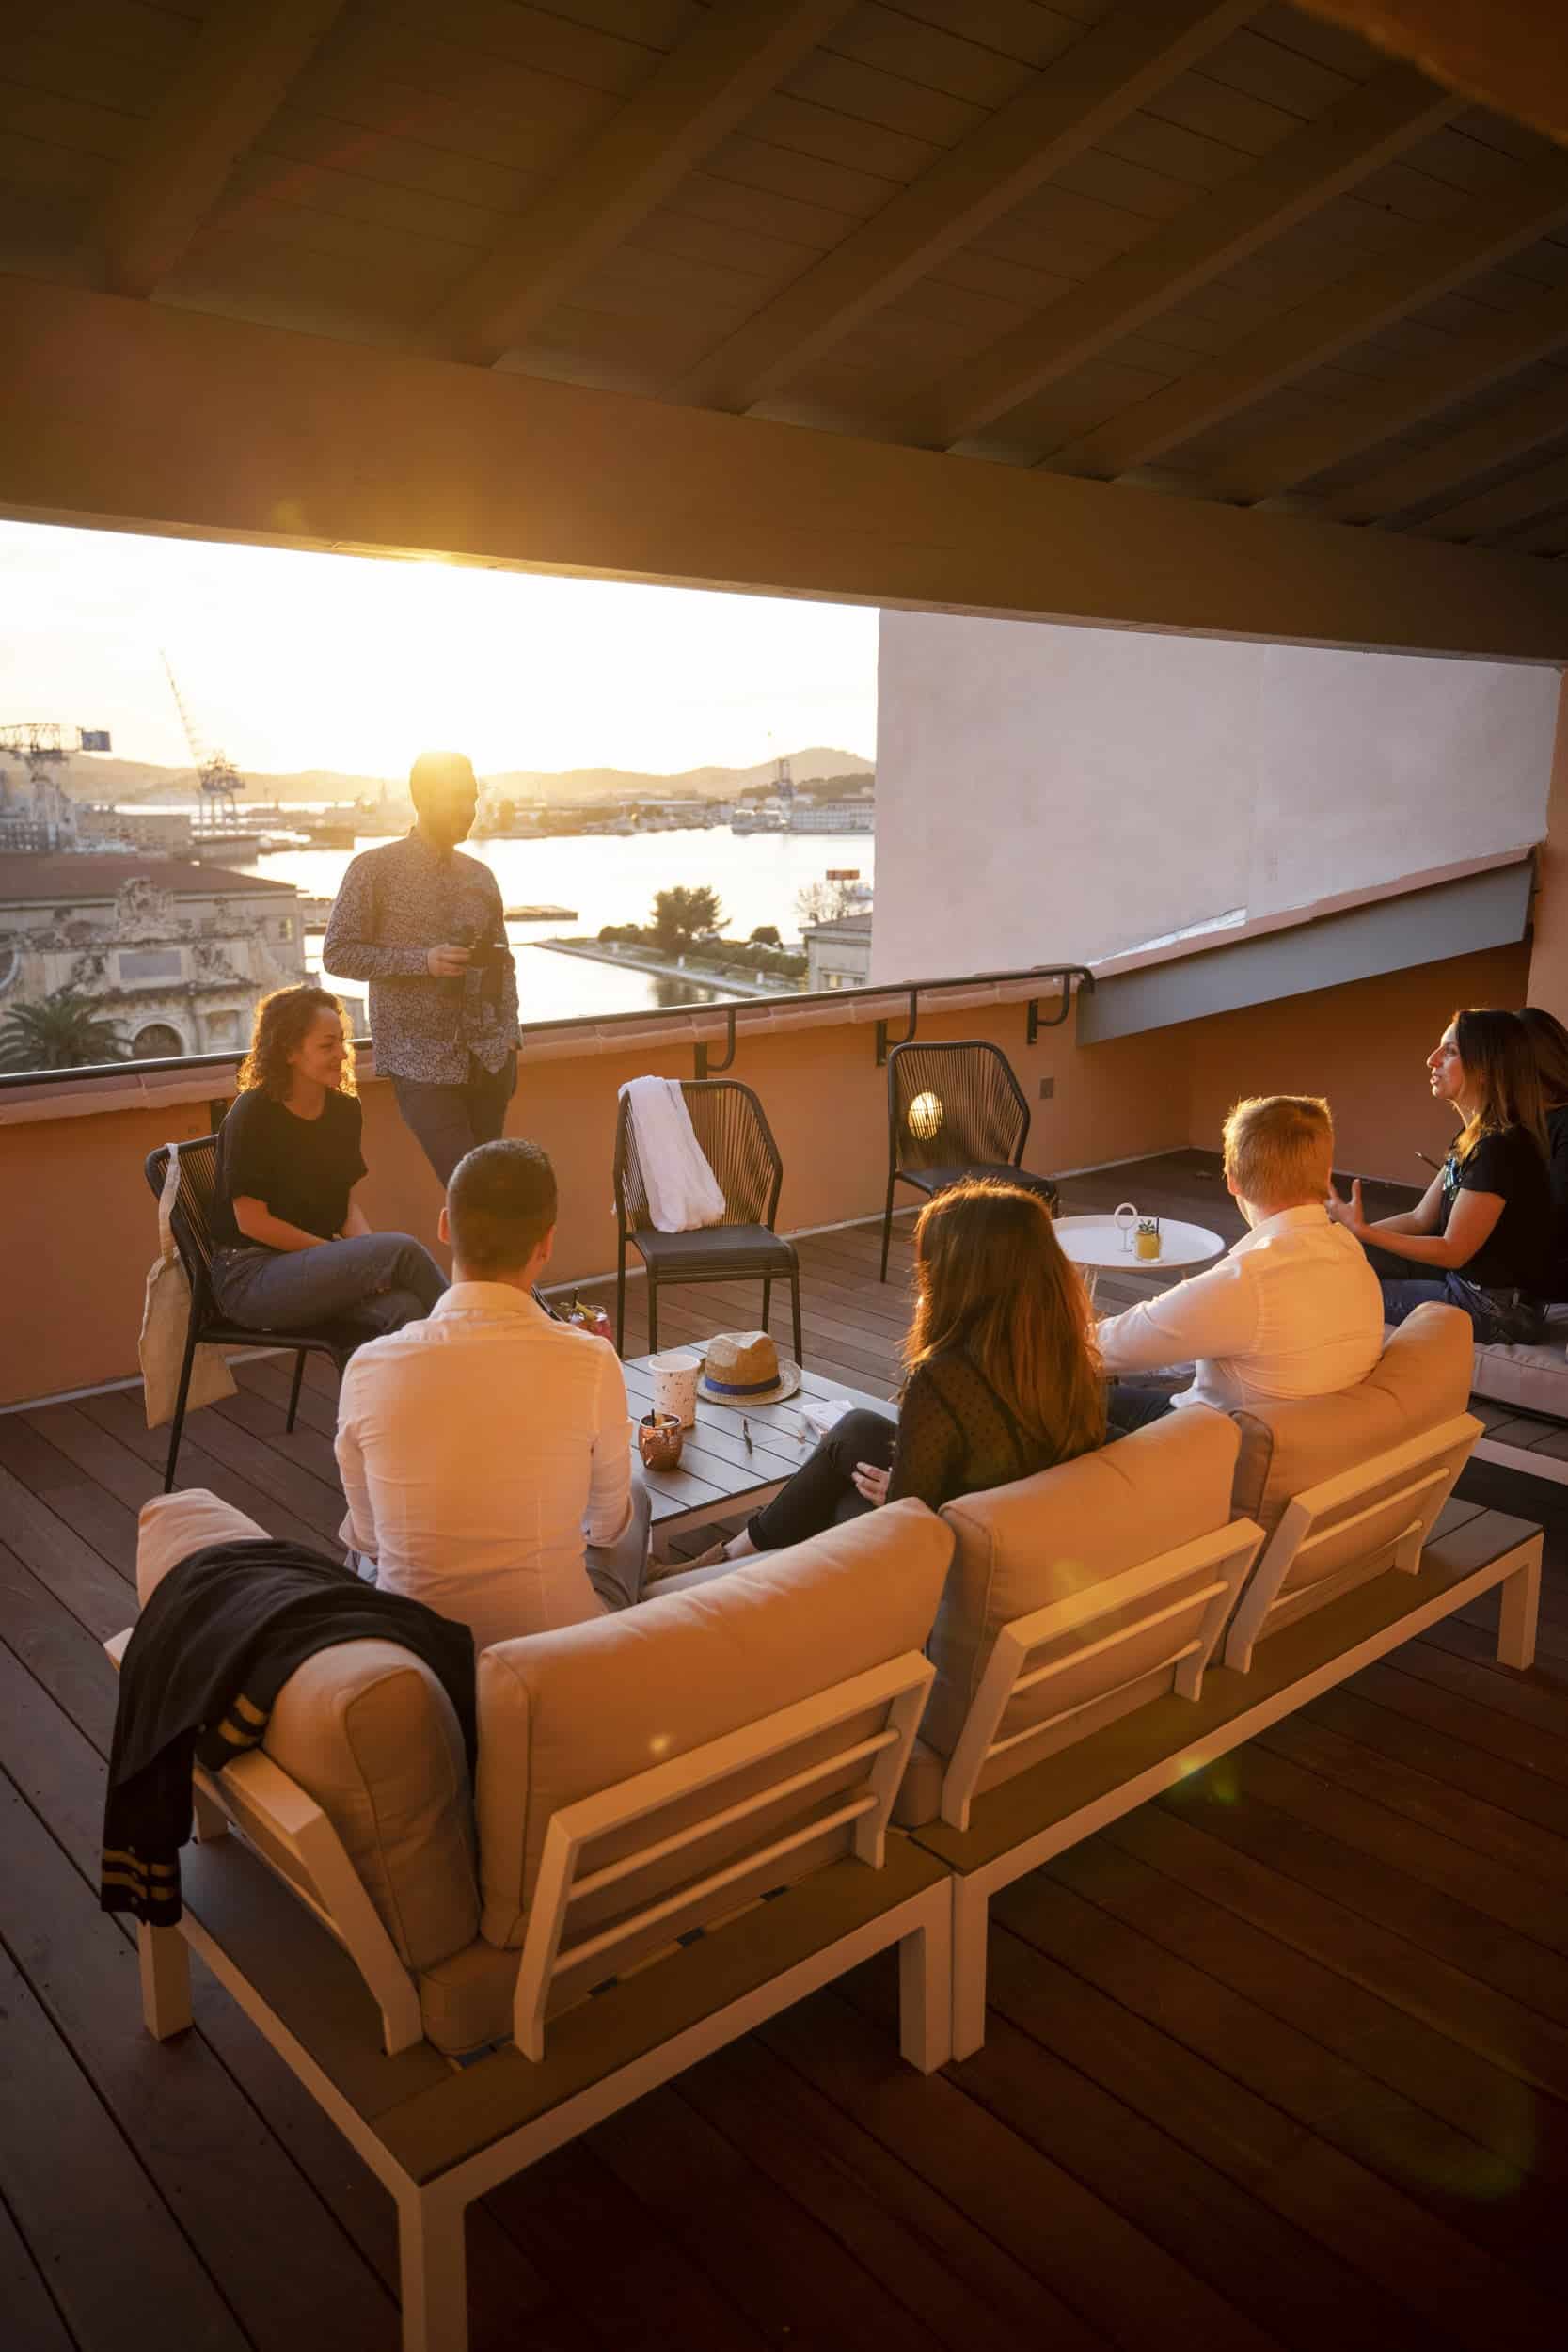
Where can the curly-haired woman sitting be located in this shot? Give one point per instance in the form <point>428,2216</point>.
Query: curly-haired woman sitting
<point>294,1248</point>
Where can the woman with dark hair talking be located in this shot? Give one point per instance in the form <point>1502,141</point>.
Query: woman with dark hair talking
<point>1003,1376</point>
<point>1484,1237</point>
<point>294,1248</point>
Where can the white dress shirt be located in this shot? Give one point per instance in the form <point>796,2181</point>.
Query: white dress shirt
<point>481,1450</point>
<point>1293,1311</point>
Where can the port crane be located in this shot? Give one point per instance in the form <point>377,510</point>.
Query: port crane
<point>44,818</point>
<point>42,743</point>
<point>219,780</point>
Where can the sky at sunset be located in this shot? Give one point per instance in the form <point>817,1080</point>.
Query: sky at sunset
<point>290,660</point>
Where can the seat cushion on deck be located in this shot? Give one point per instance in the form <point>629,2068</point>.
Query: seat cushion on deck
<point>938,1179</point>
<point>1422,1378</point>
<point>713,1251</point>
<point>1043,1539</point>
<point>565,1714</point>
<point>1534,1378</point>
<point>366,1729</point>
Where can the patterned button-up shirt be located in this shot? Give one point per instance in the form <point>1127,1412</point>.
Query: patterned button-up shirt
<point>395,905</point>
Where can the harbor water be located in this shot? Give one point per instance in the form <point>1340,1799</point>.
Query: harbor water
<point>613,878</point>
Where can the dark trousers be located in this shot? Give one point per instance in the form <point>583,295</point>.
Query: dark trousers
<point>450,1120</point>
<point>1495,1315</point>
<point>822,1492</point>
<point>1140,1398</point>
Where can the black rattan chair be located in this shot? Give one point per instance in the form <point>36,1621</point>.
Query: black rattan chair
<point>193,1238</point>
<point>954,1111</point>
<point>732,1128</point>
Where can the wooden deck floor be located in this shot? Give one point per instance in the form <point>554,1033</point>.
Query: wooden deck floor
<point>1280,2060</point>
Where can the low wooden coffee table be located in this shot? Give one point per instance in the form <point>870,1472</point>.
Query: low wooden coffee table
<point>718,1477</point>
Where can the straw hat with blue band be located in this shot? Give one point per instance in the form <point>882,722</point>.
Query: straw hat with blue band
<point>744,1368</point>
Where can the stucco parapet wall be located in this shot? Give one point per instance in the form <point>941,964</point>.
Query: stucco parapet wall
<point>53,1098</point>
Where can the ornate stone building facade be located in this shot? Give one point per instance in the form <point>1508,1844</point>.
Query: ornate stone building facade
<point>176,955</point>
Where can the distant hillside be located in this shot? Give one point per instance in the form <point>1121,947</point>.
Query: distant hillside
<point>715,784</point>
<point>111,779</point>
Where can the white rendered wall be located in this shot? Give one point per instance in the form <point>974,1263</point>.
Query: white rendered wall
<point>1049,792</point>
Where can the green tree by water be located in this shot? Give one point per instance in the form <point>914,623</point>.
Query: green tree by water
<point>66,1032</point>
<point>682,915</point>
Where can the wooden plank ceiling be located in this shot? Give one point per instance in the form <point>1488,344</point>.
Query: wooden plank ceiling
<point>1227,251</point>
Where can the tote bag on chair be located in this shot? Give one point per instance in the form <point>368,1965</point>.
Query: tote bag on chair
<point>166,1322</point>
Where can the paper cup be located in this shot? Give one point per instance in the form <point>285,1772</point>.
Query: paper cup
<point>676,1384</point>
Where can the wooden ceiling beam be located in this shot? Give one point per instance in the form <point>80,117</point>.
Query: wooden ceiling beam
<point>149,417</point>
<point>238,71</point>
<point>1369,125</point>
<point>1547,538</point>
<point>1505,53</point>
<point>1106,75</point>
<point>1412,479</point>
<point>701,93</point>
<point>1427,262</point>
<point>1273,462</point>
<point>1509,507</point>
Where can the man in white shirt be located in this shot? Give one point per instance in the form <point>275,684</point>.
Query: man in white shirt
<point>483,1452</point>
<point>1290,1311</point>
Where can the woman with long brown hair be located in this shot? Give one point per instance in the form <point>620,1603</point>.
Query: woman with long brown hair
<point>294,1249</point>
<point>1002,1378</point>
<point>1483,1236</point>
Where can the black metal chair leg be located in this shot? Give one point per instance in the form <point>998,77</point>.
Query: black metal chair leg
<point>620,1297</point>
<point>795,1303</point>
<point>652,1315</point>
<point>887,1227</point>
<point>766,1299</point>
<point>294,1394</point>
<point>183,1392</point>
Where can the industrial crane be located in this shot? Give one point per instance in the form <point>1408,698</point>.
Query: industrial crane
<point>40,742</point>
<point>218,778</point>
<point>44,818</point>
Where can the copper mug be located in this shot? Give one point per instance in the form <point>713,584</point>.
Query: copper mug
<point>660,1441</point>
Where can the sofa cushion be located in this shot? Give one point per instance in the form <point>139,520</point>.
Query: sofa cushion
<point>172,1527</point>
<point>1045,1538</point>
<point>565,1714</point>
<point>367,1730</point>
<point>1534,1378</point>
<point>1422,1378</point>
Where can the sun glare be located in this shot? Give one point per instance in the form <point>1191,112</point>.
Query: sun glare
<point>291,661</point>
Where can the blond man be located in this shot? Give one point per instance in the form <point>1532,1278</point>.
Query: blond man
<point>1290,1311</point>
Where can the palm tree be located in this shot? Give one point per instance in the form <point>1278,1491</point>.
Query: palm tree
<point>64,1032</point>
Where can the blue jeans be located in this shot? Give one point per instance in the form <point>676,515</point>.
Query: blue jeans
<point>1493,1317</point>
<point>376,1281</point>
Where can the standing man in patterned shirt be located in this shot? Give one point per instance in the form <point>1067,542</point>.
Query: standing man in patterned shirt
<point>424,926</point>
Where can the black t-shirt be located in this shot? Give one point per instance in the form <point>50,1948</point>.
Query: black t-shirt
<point>1520,1251</point>
<point>303,1169</point>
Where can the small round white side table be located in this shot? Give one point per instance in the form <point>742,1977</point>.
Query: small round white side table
<point>1099,1241</point>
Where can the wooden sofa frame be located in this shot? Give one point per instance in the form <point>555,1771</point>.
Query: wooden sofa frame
<point>282,1920</point>
<point>990,1840</point>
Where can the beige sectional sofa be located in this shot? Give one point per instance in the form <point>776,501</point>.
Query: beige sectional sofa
<point>1077,1642</point>
<point>644,1780</point>
<point>365,1732</point>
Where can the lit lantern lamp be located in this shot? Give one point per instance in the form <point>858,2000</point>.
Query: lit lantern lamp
<point>925,1116</point>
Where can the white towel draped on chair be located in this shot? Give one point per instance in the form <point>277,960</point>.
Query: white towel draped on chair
<point>683,1192</point>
